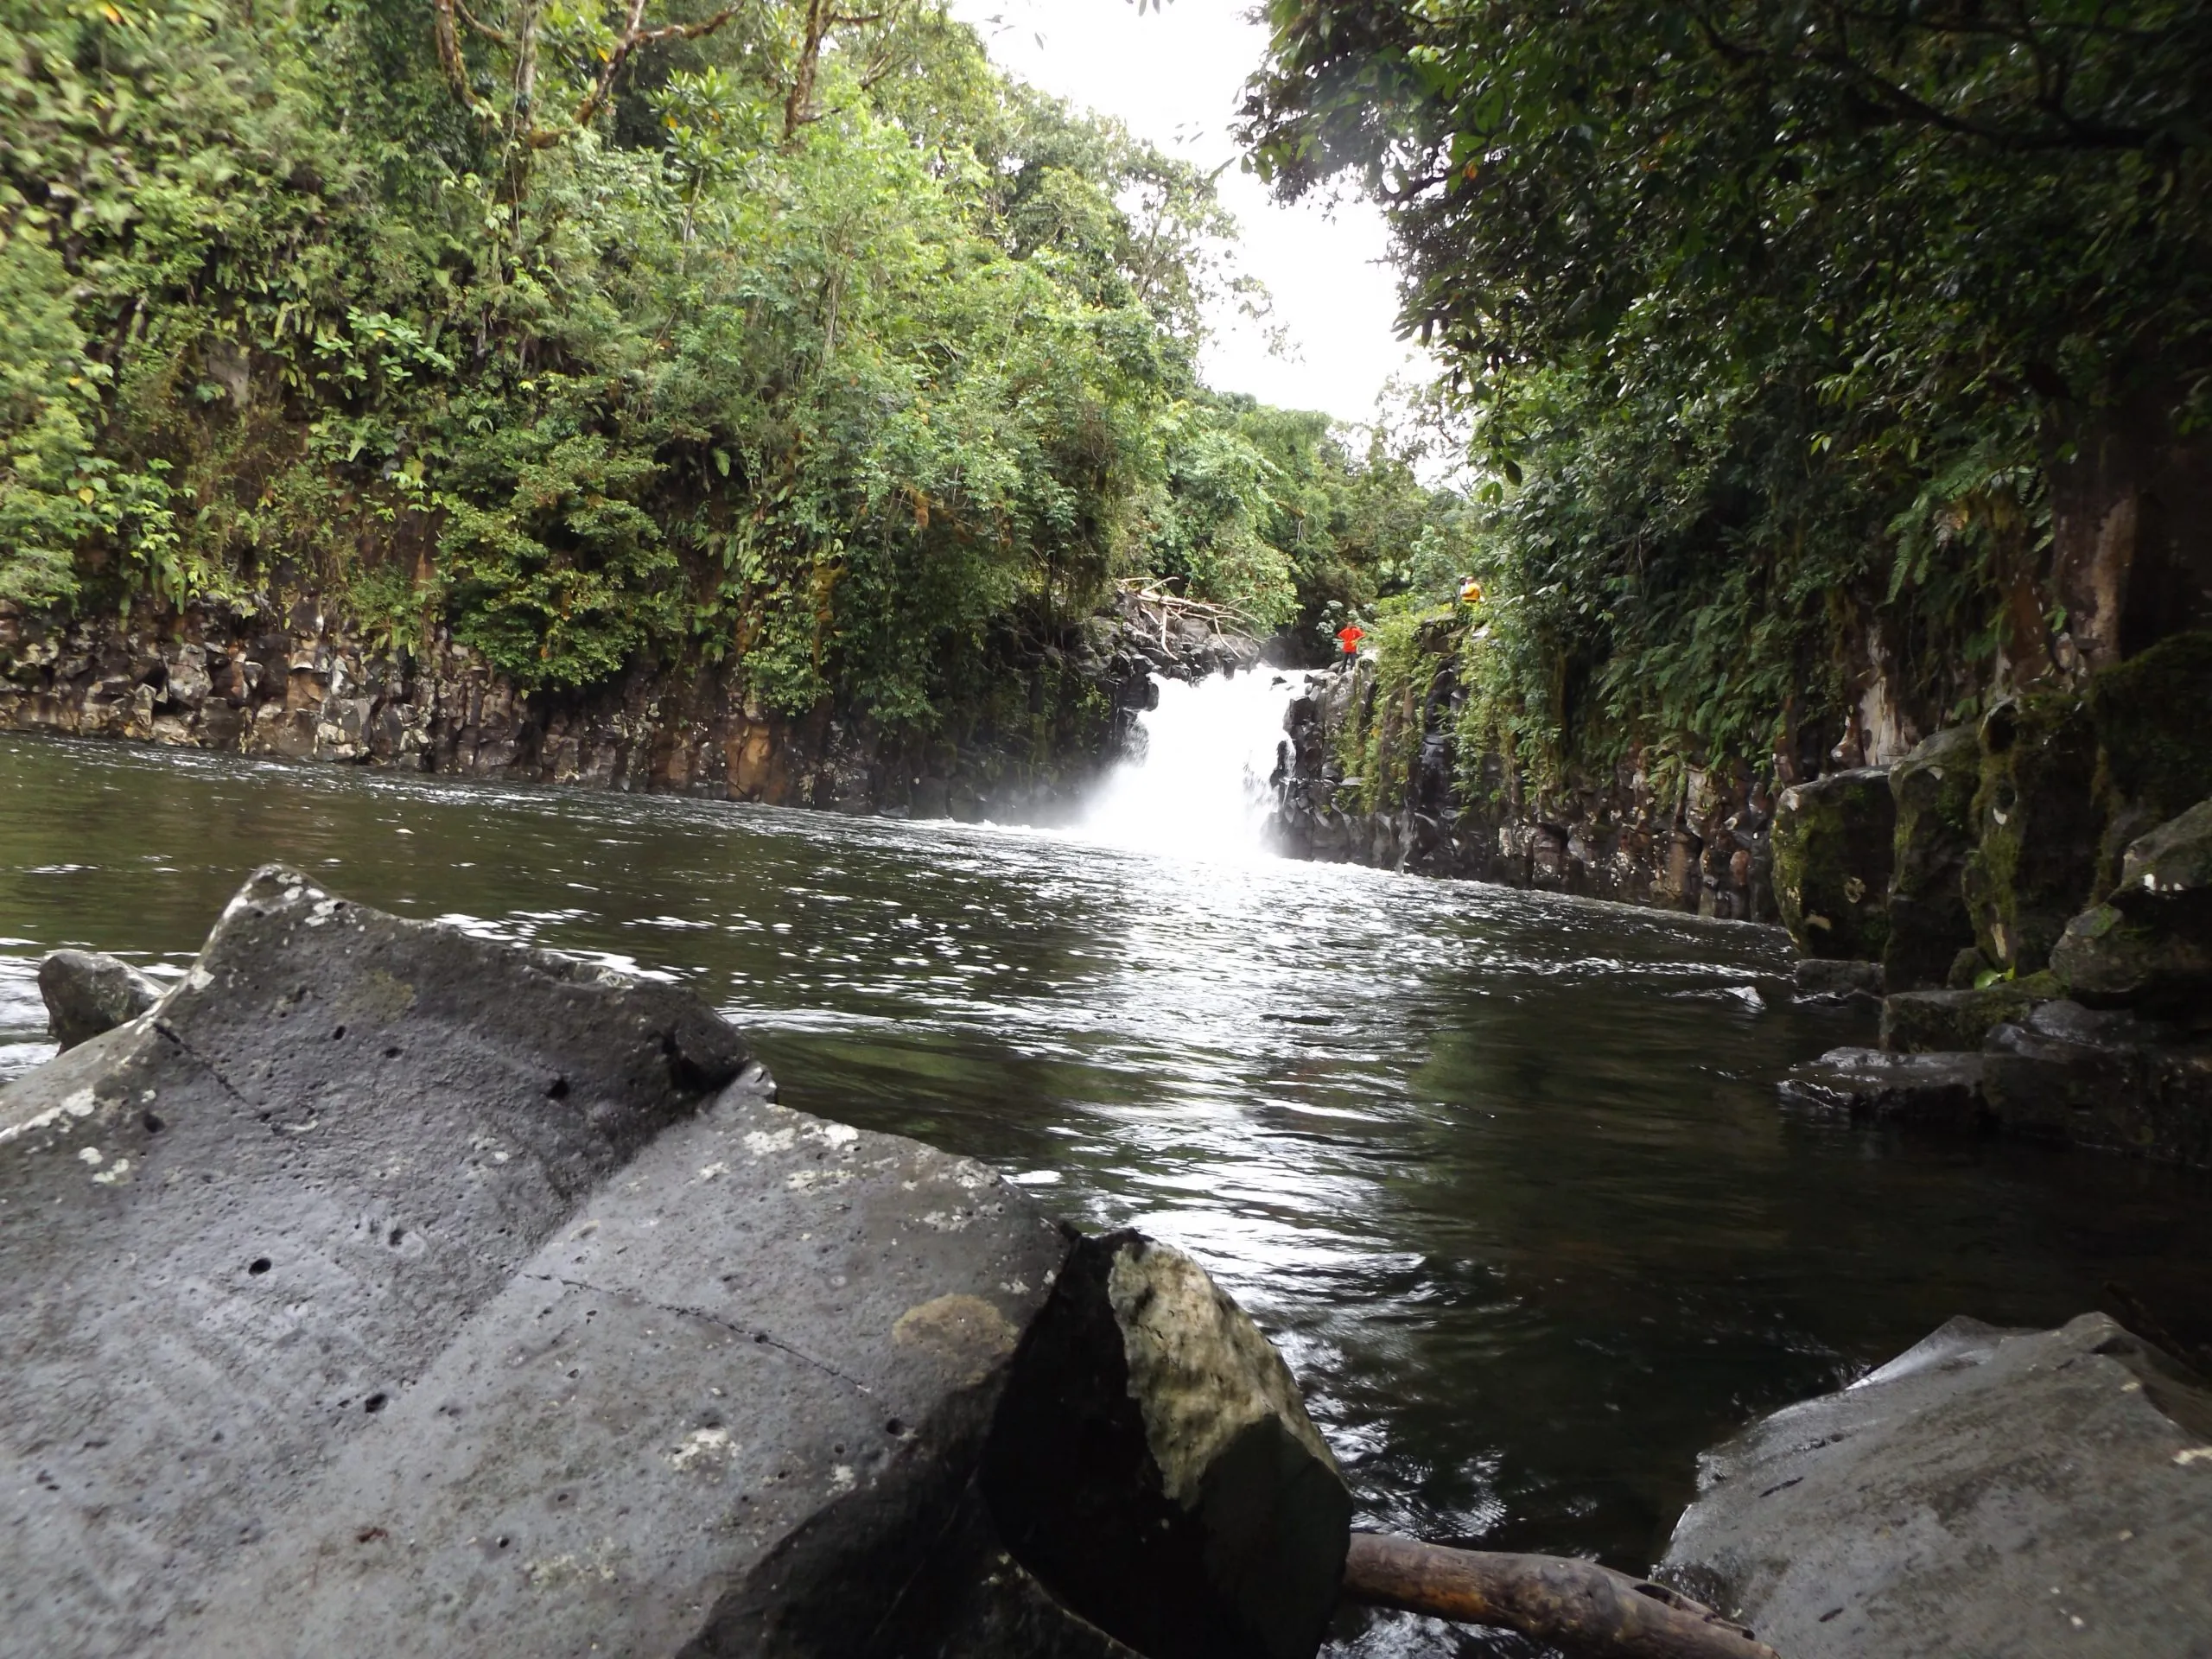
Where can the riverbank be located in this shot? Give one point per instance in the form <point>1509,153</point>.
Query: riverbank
<point>2026,896</point>
<point>290,679</point>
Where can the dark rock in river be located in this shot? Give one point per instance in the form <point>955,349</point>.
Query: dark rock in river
<point>1832,850</point>
<point>1926,1091</point>
<point>1934,787</point>
<point>2149,945</point>
<point>1923,1022</point>
<point>1153,1462</point>
<point>86,994</point>
<point>2104,1079</point>
<point>389,1291</point>
<point>1987,1492</point>
<point>1826,979</point>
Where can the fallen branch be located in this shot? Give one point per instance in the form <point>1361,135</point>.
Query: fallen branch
<point>1223,620</point>
<point>1584,1610</point>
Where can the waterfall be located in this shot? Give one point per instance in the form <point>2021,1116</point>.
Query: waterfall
<point>1198,785</point>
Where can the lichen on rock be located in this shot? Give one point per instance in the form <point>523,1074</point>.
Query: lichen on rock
<point>1832,852</point>
<point>2034,863</point>
<point>2149,944</point>
<point>1933,786</point>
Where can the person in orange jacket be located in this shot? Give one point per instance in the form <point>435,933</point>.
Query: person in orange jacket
<point>1349,636</point>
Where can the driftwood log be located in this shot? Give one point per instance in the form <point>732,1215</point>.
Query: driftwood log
<point>1584,1610</point>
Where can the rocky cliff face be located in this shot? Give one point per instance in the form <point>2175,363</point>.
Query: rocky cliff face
<point>294,680</point>
<point>1695,841</point>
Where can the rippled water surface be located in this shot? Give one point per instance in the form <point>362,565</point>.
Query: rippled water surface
<point>1503,1174</point>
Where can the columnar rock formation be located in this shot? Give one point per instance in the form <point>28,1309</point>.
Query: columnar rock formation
<point>292,680</point>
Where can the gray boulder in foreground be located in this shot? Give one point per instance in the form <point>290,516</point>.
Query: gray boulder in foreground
<point>87,993</point>
<point>1987,1495</point>
<point>386,1290</point>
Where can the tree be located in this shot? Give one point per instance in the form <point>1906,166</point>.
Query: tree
<point>1783,323</point>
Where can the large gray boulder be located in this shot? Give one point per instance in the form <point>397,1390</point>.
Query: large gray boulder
<point>388,1291</point>
<point>1987,1493</point>
<point>87,993</point>
<point>1153,1462</point>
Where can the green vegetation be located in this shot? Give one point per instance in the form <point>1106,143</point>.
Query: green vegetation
<point>1784,329</point>
<point>599,335</point>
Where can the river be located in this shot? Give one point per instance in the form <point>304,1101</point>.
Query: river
<point>1504,1174</point>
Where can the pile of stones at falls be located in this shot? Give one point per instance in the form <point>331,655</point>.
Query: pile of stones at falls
<point>2030,899</point>
<point>376,1289</point>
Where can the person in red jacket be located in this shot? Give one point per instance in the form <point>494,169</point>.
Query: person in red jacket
<point>1349,636</point>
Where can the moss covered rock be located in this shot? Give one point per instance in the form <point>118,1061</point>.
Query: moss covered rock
<point>2149,945</point>
<point>1934,1023</point>
<point>2154,716</point>
<point>2038,819</point>
<point>1832,848</point>
<point>1934,787</point>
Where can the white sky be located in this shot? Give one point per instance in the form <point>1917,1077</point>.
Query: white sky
<point>1175,77</point>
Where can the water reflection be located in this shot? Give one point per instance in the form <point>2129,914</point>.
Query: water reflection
<point>1503,1174</point>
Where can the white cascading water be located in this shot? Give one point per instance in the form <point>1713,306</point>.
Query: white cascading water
<point>1200,788</point>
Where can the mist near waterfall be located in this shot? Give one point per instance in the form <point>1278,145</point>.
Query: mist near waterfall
<point>1196,785</point>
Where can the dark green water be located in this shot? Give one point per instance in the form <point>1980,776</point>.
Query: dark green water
<point>1504,1175</point>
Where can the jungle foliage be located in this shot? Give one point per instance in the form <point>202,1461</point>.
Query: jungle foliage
<point>1771,321</point>
<point>600,333</point>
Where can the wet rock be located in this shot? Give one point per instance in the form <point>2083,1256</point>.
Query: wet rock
<point>1934,787</point>
<point>343,1317</point>
<point>1826,979</point>
<point>764,1418</point>
<point>2149,945</point>
<point>87,993</point>
<point>2034,864</point>
<point>1940,1091</point>
<point>387,1290</point>
<point>2104,1079</point>
<point>1922,1022</point>
<point>2154,744</point>
<point>1831,843</point>
<point>1986,1492</point>
<point>1154,1465</point>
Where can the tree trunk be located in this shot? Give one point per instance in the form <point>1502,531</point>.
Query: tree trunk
<point>2131,524</point>
<point>798,103</point>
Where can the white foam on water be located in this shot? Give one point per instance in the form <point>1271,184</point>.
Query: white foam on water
<point>1198,786</point>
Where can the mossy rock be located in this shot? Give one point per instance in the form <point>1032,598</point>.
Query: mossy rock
<point>2039,817</point>
<point>2149,945</point>
<point>1934,787</point>
<point>1832,841</point>
<point>1934,1023</point>
<point>2153,716</point>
